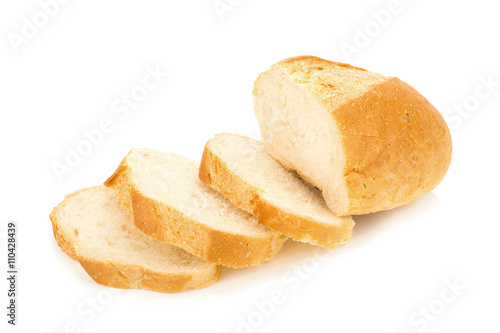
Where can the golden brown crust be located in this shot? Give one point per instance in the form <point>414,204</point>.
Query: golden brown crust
<point>114,274</point>
<point>397,146</point>
<point>163,222</point>
<point>400,150</point>
<point>307,62</point>
<point>135,277</point>
<point>120,179</point>
<point>215,173</point>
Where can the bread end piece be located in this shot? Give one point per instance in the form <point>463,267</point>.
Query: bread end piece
<point>368,141</point>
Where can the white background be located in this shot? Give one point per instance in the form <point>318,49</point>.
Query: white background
<point>65,78</point>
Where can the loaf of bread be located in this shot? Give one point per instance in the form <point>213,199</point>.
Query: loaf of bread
<point>169,203</point>
<point>370,142</point>
<point>90,227</point>
<point>243,172</point>
<point>361,141</point>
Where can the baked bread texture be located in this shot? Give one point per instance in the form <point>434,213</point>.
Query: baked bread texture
<point>169,203</point>
<point>370,142</point>
<point>243,172</point>
<point>90,227</point>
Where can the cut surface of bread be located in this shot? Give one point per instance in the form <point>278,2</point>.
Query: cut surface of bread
<point>368,141</point>
<point>169,203</point>
<point>243,172</point>
<point>90,227</point>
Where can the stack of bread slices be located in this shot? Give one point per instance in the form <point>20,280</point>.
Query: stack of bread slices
<point>336,141</point>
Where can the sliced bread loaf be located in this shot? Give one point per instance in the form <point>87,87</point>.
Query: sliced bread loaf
<point>92,228</point>
<point>243,172</point>
<point>169,203</point>
<point>368,141</point>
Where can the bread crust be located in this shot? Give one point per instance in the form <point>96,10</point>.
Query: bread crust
<point>395,157</point>
<point>119,275</point>
<point>215,173</point>
<point>165,223</point>
<point>397,146</point>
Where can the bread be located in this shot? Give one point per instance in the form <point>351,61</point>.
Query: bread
<point>92,228</point>
<point>368,141</point>
<point>243,172</point>
<point>169,203</point>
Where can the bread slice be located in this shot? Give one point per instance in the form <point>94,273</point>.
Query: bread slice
<point>92,228</point>
<point>169,203</point>
<point>368,141</point>
<point>243,172</point>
